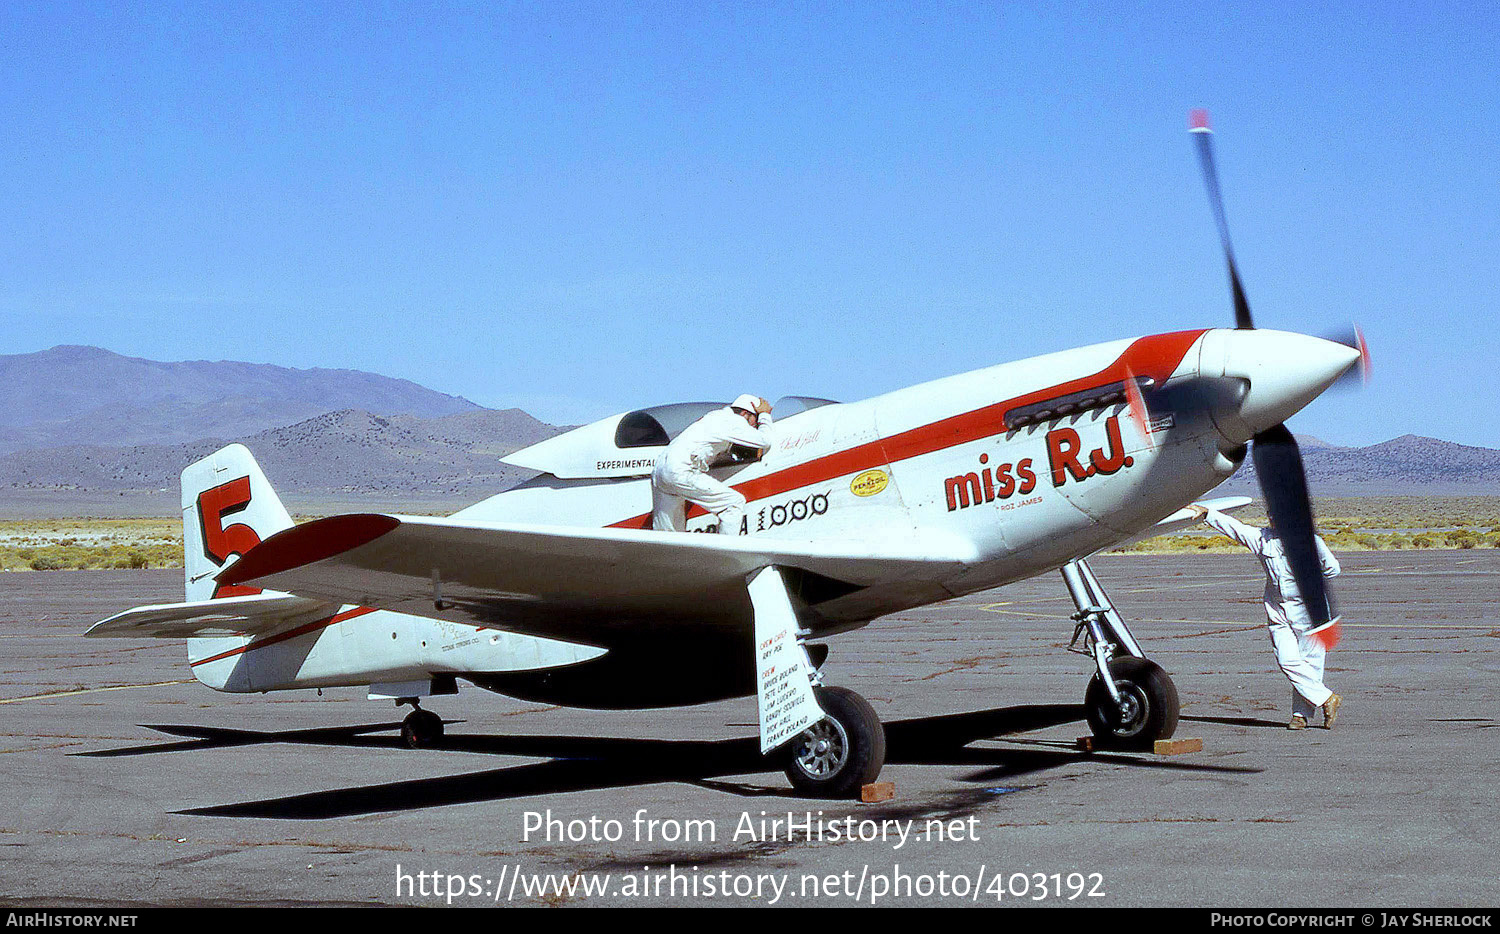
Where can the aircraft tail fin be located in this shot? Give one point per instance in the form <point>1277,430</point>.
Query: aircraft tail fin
<point>228,507</point>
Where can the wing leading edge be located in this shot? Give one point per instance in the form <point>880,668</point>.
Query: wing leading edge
<point>559,581</point>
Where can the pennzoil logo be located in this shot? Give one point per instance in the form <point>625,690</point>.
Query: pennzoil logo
<point>869,483</point>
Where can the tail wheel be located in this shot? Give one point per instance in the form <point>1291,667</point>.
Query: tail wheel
<point>837,755</point>
<point>421,728</point>
<point>1148,710</point>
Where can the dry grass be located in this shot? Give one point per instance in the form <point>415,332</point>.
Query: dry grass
<point>1369,523</point>
<point>1365,523</point>
<point>1418,513</point>
<point>59,544</point>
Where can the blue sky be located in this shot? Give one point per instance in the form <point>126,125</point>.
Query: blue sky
<point>581,208</point>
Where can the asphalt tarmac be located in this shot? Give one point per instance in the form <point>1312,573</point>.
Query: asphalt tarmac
<point>124,784</point>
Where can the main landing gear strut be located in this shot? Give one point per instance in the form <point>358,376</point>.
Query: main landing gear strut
<point>1130,701</point>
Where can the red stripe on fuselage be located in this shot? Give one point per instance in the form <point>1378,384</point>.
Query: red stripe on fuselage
<point>1156,356</point>
<point>302,630</point>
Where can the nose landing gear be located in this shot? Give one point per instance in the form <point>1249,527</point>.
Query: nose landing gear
<point>1146,709</point>
<point>1130,702</point>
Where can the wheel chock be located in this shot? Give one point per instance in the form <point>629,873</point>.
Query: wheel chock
<point>876,792</point>
<point>1176,747</point>
<point>1162,747</point>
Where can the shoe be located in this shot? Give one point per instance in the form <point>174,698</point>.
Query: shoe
<point>1298,722</point>
<point>1331,710</point>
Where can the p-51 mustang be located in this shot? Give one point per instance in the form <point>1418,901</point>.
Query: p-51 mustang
<point>559,591</point>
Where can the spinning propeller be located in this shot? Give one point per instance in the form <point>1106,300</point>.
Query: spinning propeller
<point>1278,461</point>
<point>1353,338</point>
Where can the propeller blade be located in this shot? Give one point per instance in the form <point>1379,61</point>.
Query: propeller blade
<point>1283,482</point>
<point>1203,136</point>
<point>1136,404</point>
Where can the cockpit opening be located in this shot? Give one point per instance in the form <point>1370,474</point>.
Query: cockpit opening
<point>659,424</point>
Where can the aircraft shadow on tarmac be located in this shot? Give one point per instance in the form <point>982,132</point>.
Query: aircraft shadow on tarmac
<point>578,763</point>
<point>1239,721</point>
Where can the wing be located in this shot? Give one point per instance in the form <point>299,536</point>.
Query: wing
<point>1183,519</point>
<point>566,582</point>
<point>256,614</point>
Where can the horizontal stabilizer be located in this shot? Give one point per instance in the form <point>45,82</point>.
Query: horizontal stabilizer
<point>256,614</point>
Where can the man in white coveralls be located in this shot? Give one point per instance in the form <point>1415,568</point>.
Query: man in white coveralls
<point>1301,659</point>
<point>681,473</point>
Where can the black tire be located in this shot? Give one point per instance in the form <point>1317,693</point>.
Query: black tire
<point>1151,701</point>
<point>853,752</point>
<point>421,728</point>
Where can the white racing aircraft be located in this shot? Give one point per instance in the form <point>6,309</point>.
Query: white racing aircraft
<point>559,591</point>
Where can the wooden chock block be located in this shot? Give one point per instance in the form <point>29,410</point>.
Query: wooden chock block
<point>876,792</point>
<point>1176,747</point>
<point>1086,743</point>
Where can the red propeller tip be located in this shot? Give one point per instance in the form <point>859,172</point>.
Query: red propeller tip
<point>1364,353</point>
<point>1328,637</point>
<point>1198,119</point>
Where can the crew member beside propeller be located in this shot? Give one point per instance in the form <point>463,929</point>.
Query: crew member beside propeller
<point>1299,604</point>
<point>681,474</point>
<point>1300,656</point>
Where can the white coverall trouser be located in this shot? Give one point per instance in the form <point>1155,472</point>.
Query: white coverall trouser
<point>673,486</point>
<point>1300,659</point>
<point>681,472</point>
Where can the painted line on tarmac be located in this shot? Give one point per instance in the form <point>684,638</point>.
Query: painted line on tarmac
<point>1151,589</point>
<point>1417,625</point>
<point>117,687</point>
<point>1239,623</point>
<point>995,608</point>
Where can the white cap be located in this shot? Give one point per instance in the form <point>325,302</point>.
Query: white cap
<point>747,402</point>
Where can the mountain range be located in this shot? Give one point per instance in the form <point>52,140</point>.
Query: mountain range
<point>90,432</point>
<point>72,395</point>
<point>1408,465</point>
<point>348,451</point>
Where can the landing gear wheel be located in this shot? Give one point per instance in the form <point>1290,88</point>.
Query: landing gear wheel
<point>837,755</point>
<point>1149,699</point>
<point>421,728</point>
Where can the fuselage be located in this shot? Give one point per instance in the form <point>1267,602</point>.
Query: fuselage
<point>1027,464</point>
